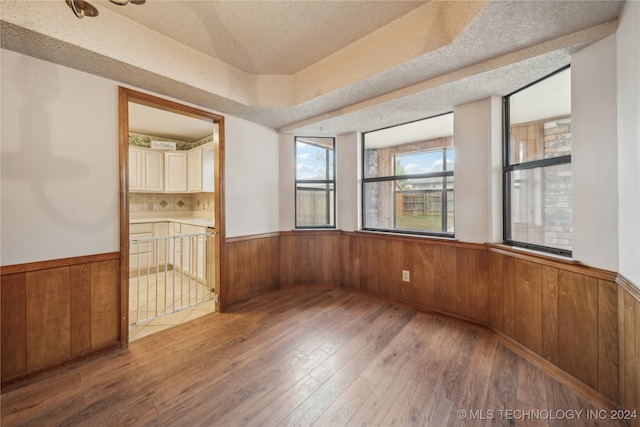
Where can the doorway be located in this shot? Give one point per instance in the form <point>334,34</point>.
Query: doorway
<point>171,204</point>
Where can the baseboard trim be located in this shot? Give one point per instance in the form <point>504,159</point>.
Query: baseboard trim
<point>311,287</point>
<point>535,359</point>
<point>554,371</point>
<point>22,380</point>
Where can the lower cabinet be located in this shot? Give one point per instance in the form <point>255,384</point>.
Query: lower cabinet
<point>141,250</point>
<point>184,249</point>
<point>161,247</point>
<point>194,250</point>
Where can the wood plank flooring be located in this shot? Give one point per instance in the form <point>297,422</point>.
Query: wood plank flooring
<point>301,358</point>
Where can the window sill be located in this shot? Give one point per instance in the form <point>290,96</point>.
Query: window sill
<point>407,236</point>
<point>516,250</point>
<point>551,260</point>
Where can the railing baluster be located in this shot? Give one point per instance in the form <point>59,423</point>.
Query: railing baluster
<point>189,257</point>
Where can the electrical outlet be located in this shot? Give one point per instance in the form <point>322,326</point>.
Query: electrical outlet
<point>405,276</point>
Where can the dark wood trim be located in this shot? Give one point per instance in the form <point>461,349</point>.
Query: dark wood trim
<point>220,269</point>
<point>551,261</point>
<point>123,174</point>
<point>312,287</point>
<point>628,286</point>
<point>38,374</point>
<point>563,377</point>
<point>417,307</point>
<point>328,232</point>
<point>129,95</point>
<point>240,301</point>
<point>54,263</point>
<point>252,237</point>
<point>399,237</point>
<point>558,374</point>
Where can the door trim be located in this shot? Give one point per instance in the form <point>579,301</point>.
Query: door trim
<point>125,96</point>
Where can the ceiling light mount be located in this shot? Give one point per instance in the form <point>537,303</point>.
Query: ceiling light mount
<point>82,8</point>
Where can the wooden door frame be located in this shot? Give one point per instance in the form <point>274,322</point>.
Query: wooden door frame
<point>125,96</point>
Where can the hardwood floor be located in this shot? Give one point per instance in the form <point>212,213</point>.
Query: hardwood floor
<point>303,357</point>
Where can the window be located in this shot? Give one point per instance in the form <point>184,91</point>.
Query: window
<point>315,182</point>
<point>408,177</point>
<point>537,165</point>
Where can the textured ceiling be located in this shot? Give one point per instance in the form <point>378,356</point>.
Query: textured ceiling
<point>314,67</point>
<point>266,37</point>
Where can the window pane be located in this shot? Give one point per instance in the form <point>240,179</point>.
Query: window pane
<point>451,159</point>
<point>540,120</point>
<point>541,212</point>
<point>313,161</point>
<point>393,201</point>
<point>315,182</point>
<point>412,205</point>
<point>422,162</point>
<point>408,144</point>
<point>314,205</point>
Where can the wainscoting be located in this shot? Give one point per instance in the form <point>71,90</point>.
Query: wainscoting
<point>56,311</point>
<point>581,323</point>
<point>582,320</point>
<point>312,260</point>
<point>445,277</point>
<point>252,267</point>
<point>563,312</point>
<point>629,330</point>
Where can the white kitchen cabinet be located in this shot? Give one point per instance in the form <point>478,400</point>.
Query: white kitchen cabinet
<point>161,229</point>
<point>200,161</point>
<point>175,176</point>
<point>207,167</point>
<point>194,251</point>
<point>146,170</point>
<point>175,247</point>
<point>194,161</point>
<point>141,250</point>
<point>135,169</point>
<point>171,171</point>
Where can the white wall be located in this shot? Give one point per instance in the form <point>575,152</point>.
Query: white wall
<point>478,170</point>
<point>594,155</point>
<point>628,74</point>
<point>59,162</point>
<point>287,183</point>
<point>252,178</point>
<point>59,150</point>
<point>348,165</point>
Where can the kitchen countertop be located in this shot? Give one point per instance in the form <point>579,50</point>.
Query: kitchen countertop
<point>203,222</point>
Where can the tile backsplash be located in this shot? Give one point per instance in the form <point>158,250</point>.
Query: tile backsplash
<point>170,202</point>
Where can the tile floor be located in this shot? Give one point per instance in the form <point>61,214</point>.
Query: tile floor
<point>185,301</point>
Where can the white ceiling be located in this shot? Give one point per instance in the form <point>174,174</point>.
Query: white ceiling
<point>314,67</point>
<point>156,122</point>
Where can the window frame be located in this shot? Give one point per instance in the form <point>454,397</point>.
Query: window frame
<point>508,168</point>
<point>331,205</point>
<point>444,174</point>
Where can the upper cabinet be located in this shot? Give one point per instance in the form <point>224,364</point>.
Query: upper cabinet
<point>200,167</point>
<point>146,170</point>
<point>171,171</point>
<point>194,160</point>
<point>175,172</point>
<point>207,167</point>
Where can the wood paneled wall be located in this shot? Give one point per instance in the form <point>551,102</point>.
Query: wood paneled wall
<point>445,277</point>
<point>629,328</point>
<point>55,311</point>
<point>252,267</point>
<point>584,321</point>
<point>564,312</point>
<point>309,258</point>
